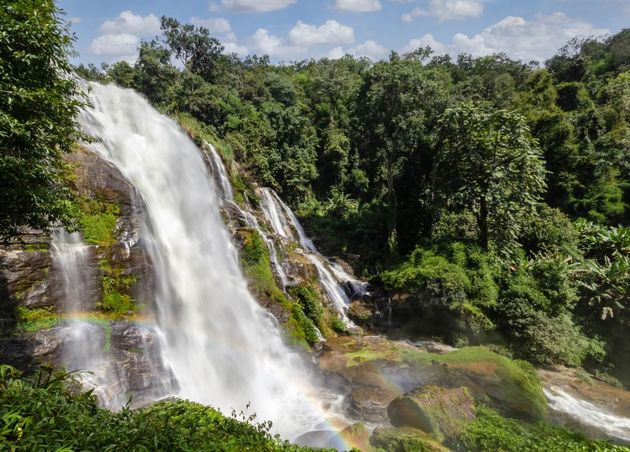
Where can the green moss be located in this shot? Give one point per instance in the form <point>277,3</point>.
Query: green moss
<point>97,220</point>
<point>31,320</point>
<point>36,247</point>
<point>257,268</point>
<point>361,356</point>
<point>490,431</point>
<point>404,440</point>
<point>117,289</point>
<point>519,377</point>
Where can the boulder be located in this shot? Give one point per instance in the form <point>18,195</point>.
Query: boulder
<point>404,439</point>
<point>442,412</point>
<point>377,370</point>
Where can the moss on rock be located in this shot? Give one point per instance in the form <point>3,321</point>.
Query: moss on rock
<point>404,439</point>
<point>442,412</point>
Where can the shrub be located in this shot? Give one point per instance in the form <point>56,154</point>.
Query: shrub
<point>49,412</point>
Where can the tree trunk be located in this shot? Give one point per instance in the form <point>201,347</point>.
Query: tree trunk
<point>482,222</point>
<point>392,214</point>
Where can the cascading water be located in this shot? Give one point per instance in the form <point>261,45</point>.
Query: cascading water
<point>220,174</point>
<point>284,222</point>
<point>86,345</point>
<point>588,415</point>
<point>224,349</point>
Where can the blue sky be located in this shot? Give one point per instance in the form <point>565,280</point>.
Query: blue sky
<point>289,30</point>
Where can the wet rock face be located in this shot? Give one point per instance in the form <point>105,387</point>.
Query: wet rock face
<point>376,371</point>
<point>29,277</point>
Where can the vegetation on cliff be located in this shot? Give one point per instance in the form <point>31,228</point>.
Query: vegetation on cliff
<point>38,108</point>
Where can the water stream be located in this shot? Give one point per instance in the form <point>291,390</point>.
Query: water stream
<point>86,343</point>
<point>587,415</point>
<point>224,349</point>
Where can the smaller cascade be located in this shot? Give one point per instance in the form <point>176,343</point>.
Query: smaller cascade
<point>252,222</point>
<point>222,181</point>
<point>588,415</point>
<point>219,174</point>
<point>334,280</point>
<point>270,203</point>
<point>355,287</point>
<point>86,344</point>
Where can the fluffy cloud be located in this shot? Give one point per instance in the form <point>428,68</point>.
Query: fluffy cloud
<point>117,45</point>
<point>254,5</point>
<point>268,44</point>
<point>215,25</point>
<point>369,49</point>
<point>447,10</point>
<point>128,22</point>
<point>362,6</point>
<point>335,53</point>
<point>232,47</point>
<point>536,39</point>
<point>331,32</point>
<point>426,40</point>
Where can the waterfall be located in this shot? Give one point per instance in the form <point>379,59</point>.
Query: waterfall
<point>333,278</point>
<point>224,349</point>
<point>220,174</point>
<point>86,344</point>
<point>588,415</point>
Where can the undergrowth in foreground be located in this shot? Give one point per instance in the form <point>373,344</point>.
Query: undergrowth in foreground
<point>490,431</point>
<point>48,412</point>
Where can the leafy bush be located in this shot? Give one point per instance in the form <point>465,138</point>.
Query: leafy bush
<point>49,412</point>
<point>490,431</point>
<point>526,317</point>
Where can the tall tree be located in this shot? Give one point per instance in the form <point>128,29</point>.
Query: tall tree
<point>395,109</point>
<point>39,103</point>
<point>489,163</point>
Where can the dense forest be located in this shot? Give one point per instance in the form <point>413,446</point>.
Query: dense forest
<point>496,192</point>
<point>495,189</point>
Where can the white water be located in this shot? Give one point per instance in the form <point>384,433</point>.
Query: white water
<point>220,174</point>
<point>223,348</point>
<point>284,222</point>
<point>272,210</point>
<point>85,345</point>
<point>588,414</point>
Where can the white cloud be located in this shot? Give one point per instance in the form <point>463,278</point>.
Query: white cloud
<point>268,44</point>
<point>253,5</point>
<point>130,23</point>
<point>369,49</point>
<point>335,53</point>
<point>75,20</point>
<point>447,10</point>
<point>426,40</point>
<point>232,47</point>
<point>215,25</point>
<point>536,39</point>
<point>118,45</point>
<point>361,6</point>
<point>331,32</point>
